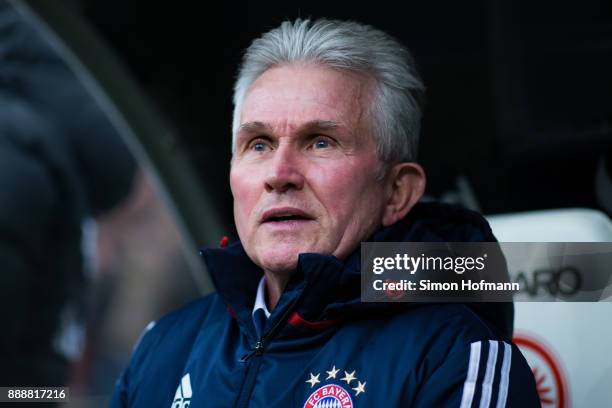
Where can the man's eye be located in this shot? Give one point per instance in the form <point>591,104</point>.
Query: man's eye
<point>321,144</point>
<point>258,146</point>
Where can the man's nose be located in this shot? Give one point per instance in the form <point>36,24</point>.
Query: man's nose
<point>285,171</point>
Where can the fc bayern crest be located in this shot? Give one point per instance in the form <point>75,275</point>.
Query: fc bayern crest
<point>329,396</point>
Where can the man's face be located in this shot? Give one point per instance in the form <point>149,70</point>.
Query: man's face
<point>304,172</point>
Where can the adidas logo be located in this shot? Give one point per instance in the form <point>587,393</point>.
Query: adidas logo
<point>182,397</point>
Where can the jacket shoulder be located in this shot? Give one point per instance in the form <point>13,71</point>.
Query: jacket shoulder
<point>432,221</point>
<point>187,312</point>
<point>183,323</point>
<point>164,348</point>
<point>443,326</point>
<point>455,347</point>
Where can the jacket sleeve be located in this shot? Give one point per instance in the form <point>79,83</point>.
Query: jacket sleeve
<point>120,397</point>
<point>483,374</point>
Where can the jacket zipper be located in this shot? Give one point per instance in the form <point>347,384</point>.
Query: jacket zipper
<point>253,359</point>
<point>251,375</point>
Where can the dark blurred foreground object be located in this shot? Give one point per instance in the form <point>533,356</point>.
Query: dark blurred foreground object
<point>61,162</point>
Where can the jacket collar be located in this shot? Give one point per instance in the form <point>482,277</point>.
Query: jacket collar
<point>318,281</point>
<point>326,288</point>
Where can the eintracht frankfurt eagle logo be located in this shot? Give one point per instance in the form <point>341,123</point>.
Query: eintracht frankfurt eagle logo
<point>332,395</point>
<point>547,368</point>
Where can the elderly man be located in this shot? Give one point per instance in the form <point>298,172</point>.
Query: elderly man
<point>325,129</point>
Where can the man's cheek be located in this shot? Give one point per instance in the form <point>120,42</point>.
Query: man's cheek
<point>244,199</point>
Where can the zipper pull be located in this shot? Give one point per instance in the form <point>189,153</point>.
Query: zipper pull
<point>258,350</point>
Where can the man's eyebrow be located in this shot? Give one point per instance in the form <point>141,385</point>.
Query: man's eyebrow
<point>257,127</point>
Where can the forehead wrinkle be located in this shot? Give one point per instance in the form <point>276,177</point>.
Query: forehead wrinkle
<point>364,120</point>
<point>353,118</point>
<point>318,125</point>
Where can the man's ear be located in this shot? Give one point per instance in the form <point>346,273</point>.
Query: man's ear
<point>404,186</point>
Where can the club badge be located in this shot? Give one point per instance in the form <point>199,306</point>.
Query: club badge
<point>337,389</point>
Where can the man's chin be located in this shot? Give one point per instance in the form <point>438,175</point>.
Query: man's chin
<point>282,266</point>
<point>281,259</point>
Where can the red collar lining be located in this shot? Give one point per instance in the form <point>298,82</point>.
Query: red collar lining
<point>298,321</point>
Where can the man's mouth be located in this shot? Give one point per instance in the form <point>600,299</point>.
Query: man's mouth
<point>285,214</point>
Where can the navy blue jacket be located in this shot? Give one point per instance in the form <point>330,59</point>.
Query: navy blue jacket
<point>323,348</point>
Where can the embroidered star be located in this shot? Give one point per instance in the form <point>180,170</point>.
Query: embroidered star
<point>314,379</point>
<point>348,377</point>
<point>359,388</point>
<point>332,373</point>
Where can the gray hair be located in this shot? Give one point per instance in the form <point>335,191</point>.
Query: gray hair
<point>343,45</point>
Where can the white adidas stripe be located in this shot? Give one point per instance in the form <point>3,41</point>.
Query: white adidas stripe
<point>183,392</point>
<point>470,382</point>
<point>469,386</point>
<point>487,384</point>
<point>186,385</point>
<point>505,377</point>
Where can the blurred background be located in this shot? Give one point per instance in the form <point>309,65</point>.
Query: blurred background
<point>115,146</point>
